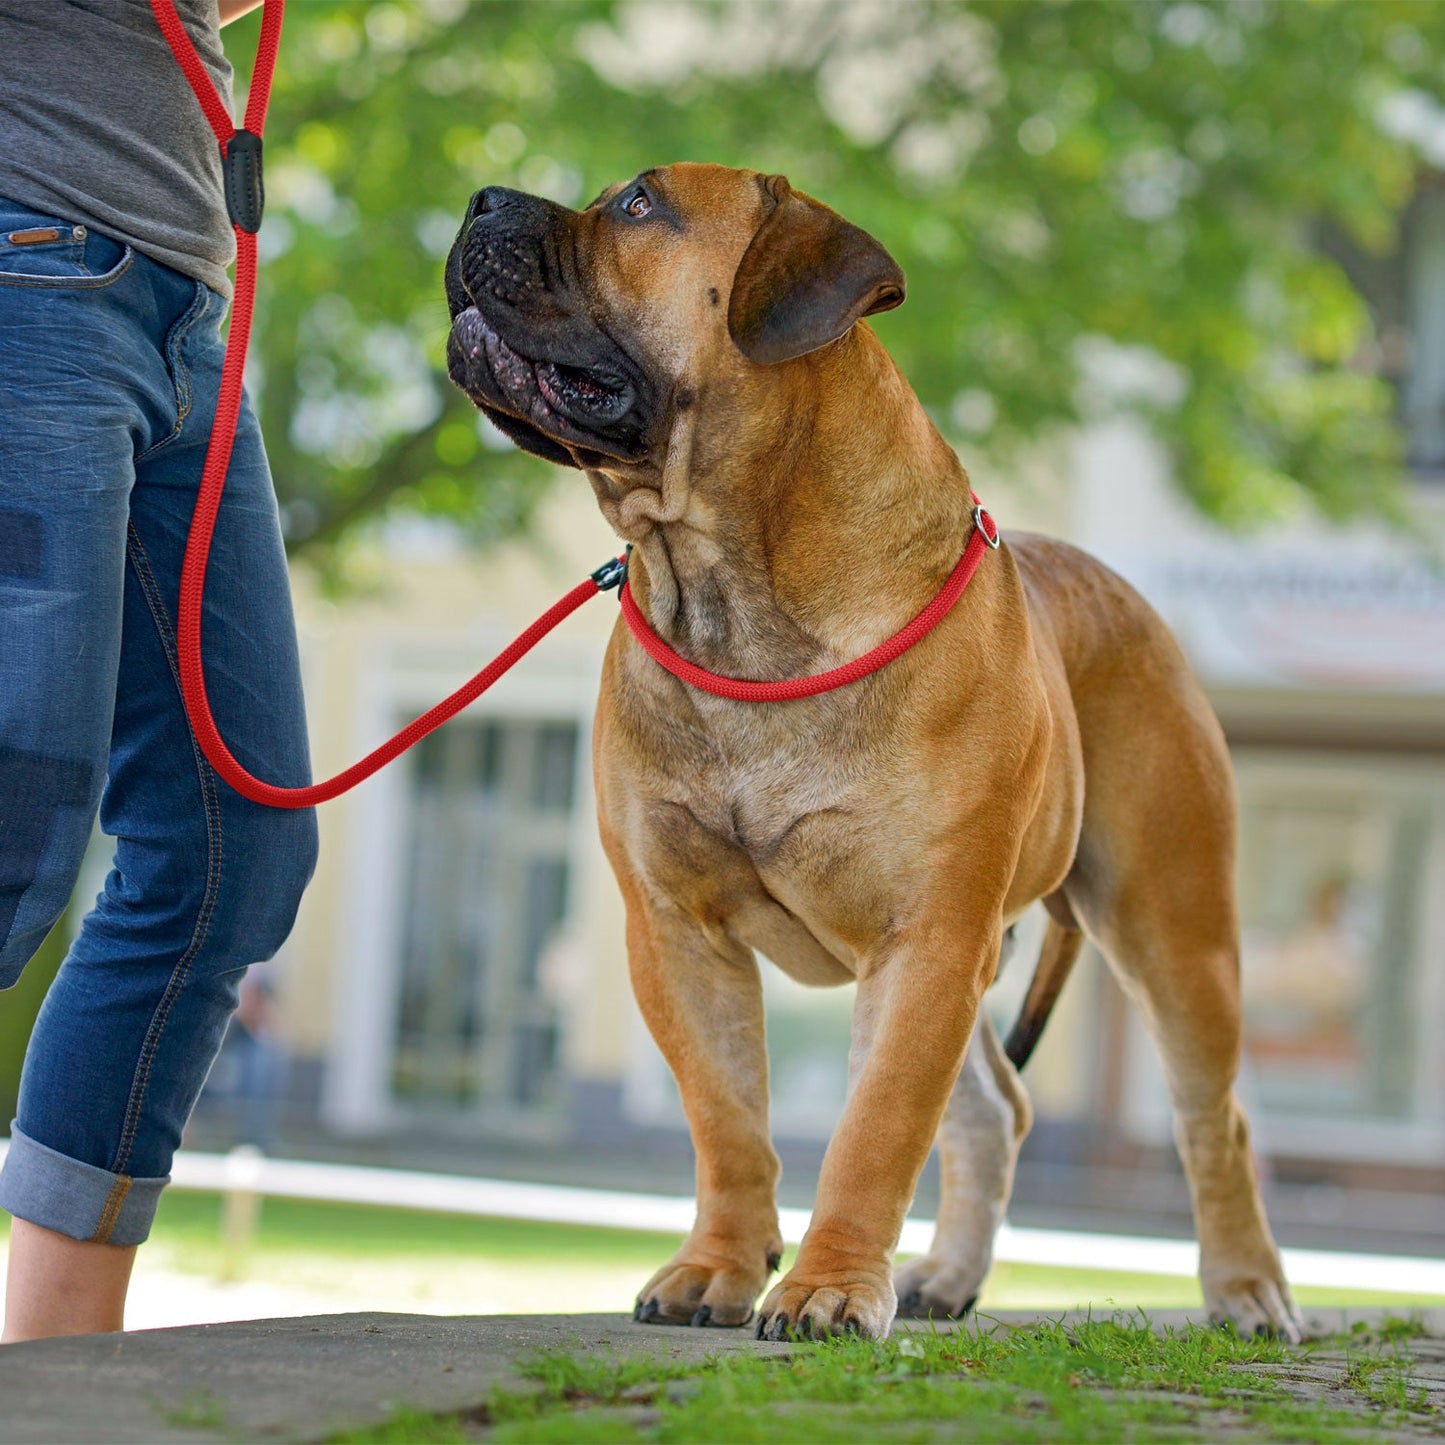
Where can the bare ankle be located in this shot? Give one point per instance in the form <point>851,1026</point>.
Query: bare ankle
<point>56,1285</point>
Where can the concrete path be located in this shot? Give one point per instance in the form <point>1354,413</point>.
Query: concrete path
<point>305,1379</point>
<point>294,1379</point>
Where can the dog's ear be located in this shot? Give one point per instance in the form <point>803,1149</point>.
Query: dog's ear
<point>806,277</point>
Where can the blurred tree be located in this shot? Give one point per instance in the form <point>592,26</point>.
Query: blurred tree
<point>19,1009</point>
<point>1097,204</point>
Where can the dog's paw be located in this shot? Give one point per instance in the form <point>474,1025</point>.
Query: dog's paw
<point>936,1287</point>
<point>705,1289</point>
<point>1255,1305</point>
<point>800,1308</point>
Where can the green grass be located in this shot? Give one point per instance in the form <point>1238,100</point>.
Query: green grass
<point>1383,1375</point>
<point>190,1224</point>
<point>528,1267</point>
<point>199,1410</point>
<point>360,1256</point>
<point>1104,1380</point>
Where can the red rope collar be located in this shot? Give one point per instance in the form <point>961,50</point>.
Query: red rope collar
<point>241,162</point>
<point>983,537</point>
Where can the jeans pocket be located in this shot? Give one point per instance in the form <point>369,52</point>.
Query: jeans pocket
<point>62,255</point>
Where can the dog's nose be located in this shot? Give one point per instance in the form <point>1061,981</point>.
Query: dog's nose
<point>489,199</point>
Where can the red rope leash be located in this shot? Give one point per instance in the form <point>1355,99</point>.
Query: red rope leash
<point>218,458</point>
<point>983,537</point>
<point>240,152</point>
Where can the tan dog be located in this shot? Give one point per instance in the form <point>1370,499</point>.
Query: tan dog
<point>692,341</point>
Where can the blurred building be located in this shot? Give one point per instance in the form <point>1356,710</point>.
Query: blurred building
<point>458,973</point>
<point>457,983</point>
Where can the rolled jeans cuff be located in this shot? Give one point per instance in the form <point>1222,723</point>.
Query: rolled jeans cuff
<point>62,1194</point>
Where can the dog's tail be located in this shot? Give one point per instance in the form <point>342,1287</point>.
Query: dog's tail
<point>1062,941</point>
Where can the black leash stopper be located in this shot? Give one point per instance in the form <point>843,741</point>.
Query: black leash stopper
<point>612,573</point>
<point>245,188</point>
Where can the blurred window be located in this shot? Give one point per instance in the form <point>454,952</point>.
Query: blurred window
<point>1333,861</point>
<point>808,1037</point>
<point>1405,291</point>
<point>1422,394</point>
<point>488,848</point>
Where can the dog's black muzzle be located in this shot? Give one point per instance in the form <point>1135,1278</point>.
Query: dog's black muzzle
<point>524,345</point>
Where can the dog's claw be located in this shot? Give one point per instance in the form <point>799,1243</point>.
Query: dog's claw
<point>774,1260</point>
<point>762,1327</point>
<point>701,1318</point>
<point>648,1312</point>
<point>779,1330</point>
<point>912,1305</point>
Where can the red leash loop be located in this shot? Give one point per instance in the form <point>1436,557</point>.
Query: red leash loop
<point>240,152</point>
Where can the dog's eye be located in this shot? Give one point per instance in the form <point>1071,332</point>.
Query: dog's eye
<point>637,204</point>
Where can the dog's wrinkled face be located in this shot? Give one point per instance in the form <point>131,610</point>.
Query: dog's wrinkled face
<point>582,333</point>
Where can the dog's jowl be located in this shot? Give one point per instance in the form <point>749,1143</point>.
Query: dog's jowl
<point>693,341</point>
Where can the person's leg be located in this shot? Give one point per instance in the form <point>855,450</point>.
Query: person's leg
<point>204,882</point>
<point>72,386</point>
<point>75,389</point>
<point>56,1285</point>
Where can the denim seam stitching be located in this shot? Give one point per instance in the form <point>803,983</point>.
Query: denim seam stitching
<point>110,1214</point>
<point>175,364</point>
<point>151,1045</point>
<point>71,283</point>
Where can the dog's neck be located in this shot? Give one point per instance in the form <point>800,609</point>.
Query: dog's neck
<point>763,552</point>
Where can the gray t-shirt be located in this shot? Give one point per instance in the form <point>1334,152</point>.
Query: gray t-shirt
<point>98,124</point>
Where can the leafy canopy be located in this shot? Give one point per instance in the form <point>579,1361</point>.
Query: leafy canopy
<point>1080,193</point>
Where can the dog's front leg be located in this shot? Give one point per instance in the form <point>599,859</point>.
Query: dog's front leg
<point>701,995</point>
<point>913,1017</point>
<point>978,1144</point>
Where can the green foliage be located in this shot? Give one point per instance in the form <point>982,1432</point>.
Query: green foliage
<point>1066,185</point>
<point>18,1011</point>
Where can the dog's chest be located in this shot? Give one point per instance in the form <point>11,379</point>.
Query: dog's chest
<point>764,784</point>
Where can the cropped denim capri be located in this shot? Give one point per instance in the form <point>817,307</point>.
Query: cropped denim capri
<point>109,365</point>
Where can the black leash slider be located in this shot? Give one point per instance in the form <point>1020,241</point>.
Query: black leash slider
<point>612,573</point>
<point>241,171</point>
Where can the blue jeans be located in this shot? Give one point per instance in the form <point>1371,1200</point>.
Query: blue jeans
<point>109,367</point>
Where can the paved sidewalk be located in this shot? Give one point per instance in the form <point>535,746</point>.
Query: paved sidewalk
<point>305,1379</point>
<point>295,1379</point>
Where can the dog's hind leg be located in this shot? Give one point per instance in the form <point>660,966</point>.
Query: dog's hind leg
<point>1187,989</point>
<point>1154,887</point>
<point>987,1116</point>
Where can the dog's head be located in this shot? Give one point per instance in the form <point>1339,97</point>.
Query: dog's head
<point>583,334</point>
